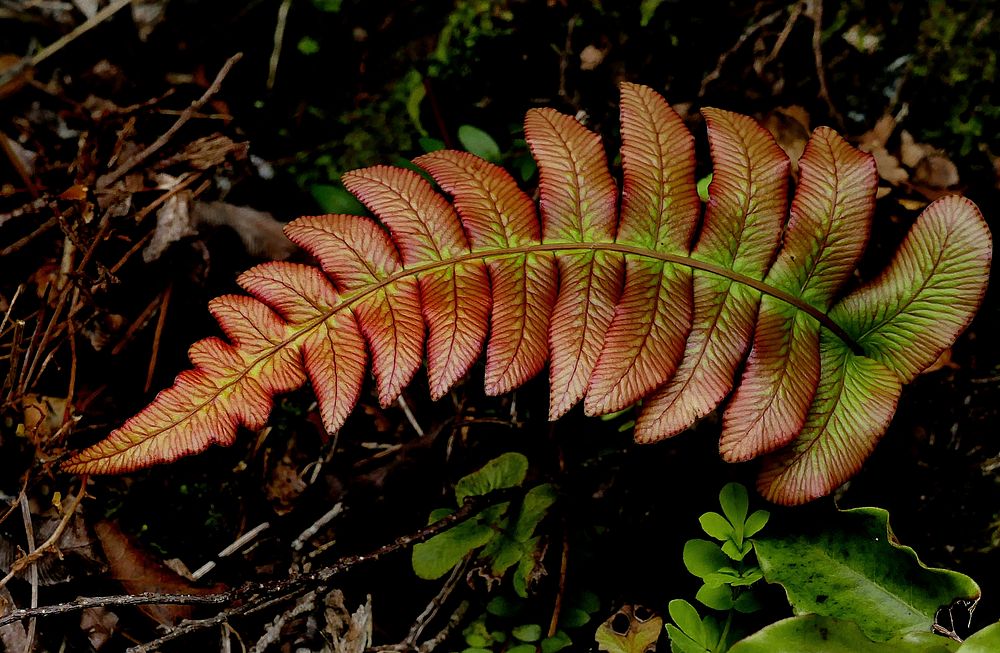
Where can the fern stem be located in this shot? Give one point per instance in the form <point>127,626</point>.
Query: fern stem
<point>631,250</point>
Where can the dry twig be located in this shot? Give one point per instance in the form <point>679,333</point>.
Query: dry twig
<point>106,180</point>
<point>256,596</point>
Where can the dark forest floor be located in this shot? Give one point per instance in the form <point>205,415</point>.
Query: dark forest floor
<point>107,264</point>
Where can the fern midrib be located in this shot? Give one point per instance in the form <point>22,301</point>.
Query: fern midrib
<point>348,299</point>
<point>619,248</point>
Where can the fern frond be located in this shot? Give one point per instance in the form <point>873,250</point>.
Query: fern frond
<point>620,305</point>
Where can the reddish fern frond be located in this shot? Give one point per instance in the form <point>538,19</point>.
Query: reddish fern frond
<point>579,205</point>
<point>498,215</point>
<point>619,305</point>
<point>743,222</point>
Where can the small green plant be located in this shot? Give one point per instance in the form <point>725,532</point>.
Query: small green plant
<point>503,534</point>
<point>728,571</point>
<point>506,626</point>
<point>852,586</point>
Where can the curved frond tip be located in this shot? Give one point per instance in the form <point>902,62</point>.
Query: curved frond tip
<point>623,305</point>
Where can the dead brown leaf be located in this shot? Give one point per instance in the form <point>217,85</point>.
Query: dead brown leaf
<point>261,234</point>
<point>99,625</point>
<point>350,633</point>
<point>13,637</point>
<point>138,572</point>
<point>285,486</point>
<point>208,152</point>
<point>591,57</point>
<point>790,128</point>
<point>936,171</point>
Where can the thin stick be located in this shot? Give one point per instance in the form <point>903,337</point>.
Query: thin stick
<point>71,386</point>
<point>33,553</point>
<point>185,181</point>
<point>279,37</point>
<point>78,31</point>
<point>253,595</point>
<point>29,533</point>
<point>751,29</point>
<point>15,161</point>
<point>157,333</point>
<point>304,536</point>
<point>138,324</point>
<point>238,544</point>
<point>119,172</point>
<point>18,244</point>
<point>815,12</point>
<point>425,617</point>
<point>453,623</point>
<point>410,417</point>
<point>785,33</point>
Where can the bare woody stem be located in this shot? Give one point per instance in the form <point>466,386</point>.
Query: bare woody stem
<point>253,594</point>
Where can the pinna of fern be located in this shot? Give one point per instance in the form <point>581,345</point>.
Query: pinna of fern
<point>652,302</point>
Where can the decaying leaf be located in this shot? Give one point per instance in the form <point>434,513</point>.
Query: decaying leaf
<point>633,629</point>
<point>13,637</point>
<point>261,234</point>
<point>350,633</point>
<point>139,572</point>
<point>181,215</point>
<point>76,554</point>
<point>615,300</point>
<point>99,625</point>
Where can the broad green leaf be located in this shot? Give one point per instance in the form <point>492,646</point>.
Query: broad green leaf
<point>747,602</point>
<point>681,642</point>
<point>523,648</point>
<point>502,606</point>
<point>438,514</point>
<point>735,504</point>
<point>588,602</point>
<point>478,142</point>
<point>756,522</point>
<point>534,507</point>
<point>557,642</point>
<point>687,619</point>
<point>646,10</point>
<point>703,185</point>
<point>715,525</point>
<point>717,597</point>
<point>736,552</point>
<point>527,567</point>
<point>573,618</point>
<point>816,634</point>
<point>986,640</point>
<point>436,557</point>
<point>505,471</point>
<point>849,566</point>
<point>336,199</point>
<point>527,632</point>
<point>633,629</point>
<point>307,45</point>
<point>703,558</point>
<point>428,144</point>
